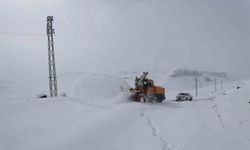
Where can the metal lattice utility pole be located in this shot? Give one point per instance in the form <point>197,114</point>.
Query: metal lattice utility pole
<point>51,61</point>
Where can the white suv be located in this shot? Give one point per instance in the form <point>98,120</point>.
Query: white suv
<point>184,97</point>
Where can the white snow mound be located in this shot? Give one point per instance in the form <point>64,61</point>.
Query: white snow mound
<point>99,87</point>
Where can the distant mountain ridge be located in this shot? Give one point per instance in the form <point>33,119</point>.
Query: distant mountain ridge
<point>183,79</point>
<point>195,73</point>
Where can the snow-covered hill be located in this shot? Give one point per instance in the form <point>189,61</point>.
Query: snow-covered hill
<point>184,79</point>
<point>97,115</point>
<point>100,46</point>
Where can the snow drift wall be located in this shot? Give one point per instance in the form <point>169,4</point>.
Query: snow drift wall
<point>98,87</point>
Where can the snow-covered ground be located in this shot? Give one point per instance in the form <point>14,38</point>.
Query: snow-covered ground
<point>97,115</point>
<point>108,43</point>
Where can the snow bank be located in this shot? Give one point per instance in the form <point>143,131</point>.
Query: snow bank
<point>98,87</point>
<point>87,122</point>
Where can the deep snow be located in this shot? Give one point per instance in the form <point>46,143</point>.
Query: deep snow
<point>100,116</point>
<point>112,37</point>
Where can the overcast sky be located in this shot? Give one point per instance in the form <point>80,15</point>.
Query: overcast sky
<point>125,35</point>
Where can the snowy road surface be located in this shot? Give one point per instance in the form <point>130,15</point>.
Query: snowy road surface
<point>73,123</point>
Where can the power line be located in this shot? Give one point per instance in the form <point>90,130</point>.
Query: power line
<point>21,34</point>
<point>22,20</point>
<point>15,18</point>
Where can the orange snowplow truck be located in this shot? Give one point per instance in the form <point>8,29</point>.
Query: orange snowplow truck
<point>146,91</point>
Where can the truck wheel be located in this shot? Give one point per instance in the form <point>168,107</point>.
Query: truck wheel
<point>152,99</point>
<point>142,100</point>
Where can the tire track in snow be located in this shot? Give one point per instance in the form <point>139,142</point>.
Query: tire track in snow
<point>156,131</point>
<point>153,126</point>
<point>235,105</point>
<point>219,116</point>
